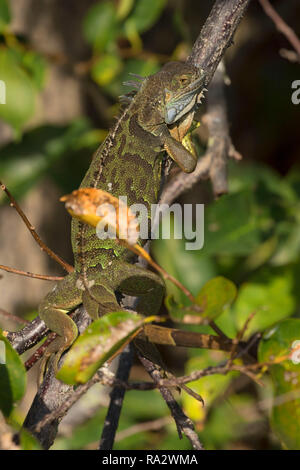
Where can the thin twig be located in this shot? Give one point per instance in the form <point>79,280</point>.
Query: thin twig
<point>32,275</point>
<point>292,56</point>
<point>220,369</point>
<point>154,425</point>
<point>39,352</point>
<point>183,423</point>
<point>116,401</point>
<point>236,341</point>
<point>31,229</point>
<point>268,403</point>
<point>12,317</point>
<point>281,25</point>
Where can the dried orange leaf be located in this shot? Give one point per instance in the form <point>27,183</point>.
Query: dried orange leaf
<point>94,206</point>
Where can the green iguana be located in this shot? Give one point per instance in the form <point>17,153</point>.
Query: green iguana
<point>128,163</point>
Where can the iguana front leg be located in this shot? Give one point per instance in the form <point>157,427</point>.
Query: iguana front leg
<point>53,310</point>
<point>98,296</point>
<point>98,299</point>
<point>184,159</point>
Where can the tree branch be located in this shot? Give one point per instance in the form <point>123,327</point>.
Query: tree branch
<point>116,401</point>
<point>217,35</point>
<point>183,423</point>
<point>43,277</point>
<point>282,26</point>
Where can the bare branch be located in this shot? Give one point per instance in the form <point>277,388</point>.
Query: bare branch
<point>116,401</point>
<point>292,56</point>
<point>29,336</point>
<point>183,423</point>
<point>12,317</point>
<point>153,425</point>
<point>217,35</point>
<point>40,351</point>
<point>27,274</point>
<point>282,26</point>
<point>236,341</point>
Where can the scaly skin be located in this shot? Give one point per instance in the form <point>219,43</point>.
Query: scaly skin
<point>128,163</point>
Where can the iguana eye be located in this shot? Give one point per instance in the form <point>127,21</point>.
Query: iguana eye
<point>183,80</point>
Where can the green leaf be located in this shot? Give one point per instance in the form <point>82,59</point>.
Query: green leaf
<point>12,377</point>
<point>271,297</point>
<point>97,344</point>
<point>216,296</point>
<point>106,69</point>
<point>20,93</point>
<point>279,342</point>
<point>144,14</point>
<point>100,25</point>
<point>5,16</point>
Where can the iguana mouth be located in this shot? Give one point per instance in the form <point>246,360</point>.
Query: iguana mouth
<point>182,102</point>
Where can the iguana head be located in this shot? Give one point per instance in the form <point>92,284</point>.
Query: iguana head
<point>183,90</point>
<point>168,95</point>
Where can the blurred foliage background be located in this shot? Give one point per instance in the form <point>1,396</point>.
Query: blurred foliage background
<point>64,64</point>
